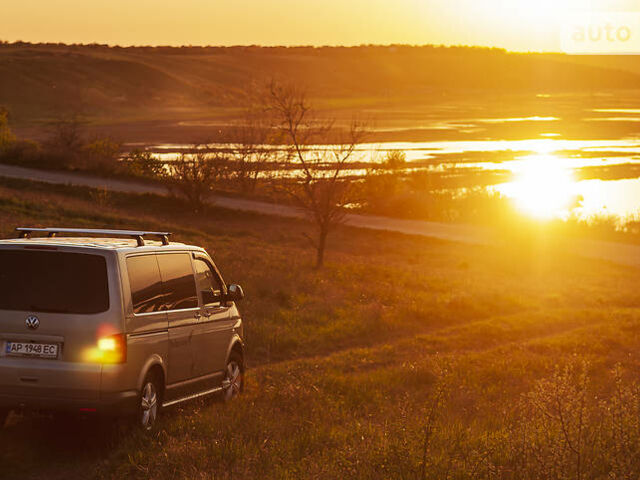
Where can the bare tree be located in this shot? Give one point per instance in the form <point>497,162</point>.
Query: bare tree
<point>251,141</point>
<point>319,159</point>
<point>195,174</point>
<point>67,140</point>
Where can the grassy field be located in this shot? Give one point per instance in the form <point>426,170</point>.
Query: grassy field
<point>404,358</point>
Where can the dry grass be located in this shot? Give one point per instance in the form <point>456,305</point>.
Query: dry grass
<point>404,358</point>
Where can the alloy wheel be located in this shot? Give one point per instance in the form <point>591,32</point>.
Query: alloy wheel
<point>149,406</point>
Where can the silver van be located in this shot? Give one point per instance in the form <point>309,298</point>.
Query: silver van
<point>114,326</point>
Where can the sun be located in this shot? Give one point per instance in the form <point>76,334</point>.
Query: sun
<point>543,188</point>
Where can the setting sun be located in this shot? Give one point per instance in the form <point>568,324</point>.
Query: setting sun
<point>542,187</point>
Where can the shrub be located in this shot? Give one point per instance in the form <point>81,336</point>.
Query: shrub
<point>65,144</point>
<point>564,429</point>
<point>195,175</point>
<point>142,163</point>
<point>22,152</point>
<point>7,138</point>
<point>395,159</point>
<point>101,156</point>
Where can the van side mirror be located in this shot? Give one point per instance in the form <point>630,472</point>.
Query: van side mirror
<point>234,293</point>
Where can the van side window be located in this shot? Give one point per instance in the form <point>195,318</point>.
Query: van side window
<point>208,282</point>
<point>177,281</point>
<point>146,286</point>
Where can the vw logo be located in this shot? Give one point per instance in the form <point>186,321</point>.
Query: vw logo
<point>32,322</point>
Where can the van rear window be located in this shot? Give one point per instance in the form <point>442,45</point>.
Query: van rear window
<point>53,282</point>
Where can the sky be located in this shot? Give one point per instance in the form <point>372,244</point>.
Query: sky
<point>522,25</point>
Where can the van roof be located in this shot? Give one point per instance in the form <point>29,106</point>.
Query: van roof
<point>105,239</point>
<point>120,244</point>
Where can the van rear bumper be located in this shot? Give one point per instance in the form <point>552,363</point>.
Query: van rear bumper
<point>52,385</point>
<point>117,404</point>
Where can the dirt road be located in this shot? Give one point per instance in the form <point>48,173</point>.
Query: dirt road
<point>615,252</point>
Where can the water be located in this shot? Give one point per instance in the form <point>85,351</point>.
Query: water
<point>553,155</point>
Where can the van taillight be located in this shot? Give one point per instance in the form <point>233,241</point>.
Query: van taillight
<point>111,349</point>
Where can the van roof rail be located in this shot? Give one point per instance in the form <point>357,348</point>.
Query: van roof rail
<point>25,232</point>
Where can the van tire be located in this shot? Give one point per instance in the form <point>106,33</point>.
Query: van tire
<point>149,402</point>
<point>233,383</point>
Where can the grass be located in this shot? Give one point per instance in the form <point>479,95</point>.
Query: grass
<point>149,83</point>
<point>400,343</point>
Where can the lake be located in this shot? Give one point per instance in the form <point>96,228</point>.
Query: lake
<point>547,170</point>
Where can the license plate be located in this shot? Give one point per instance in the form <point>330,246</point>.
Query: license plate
<point>27,349</point>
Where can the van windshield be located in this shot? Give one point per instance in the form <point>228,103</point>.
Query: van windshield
<point>53,282</point>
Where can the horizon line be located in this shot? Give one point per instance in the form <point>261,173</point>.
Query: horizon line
<point>292,46</point>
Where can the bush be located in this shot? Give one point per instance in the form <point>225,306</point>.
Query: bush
<point>65,144</point>
<point>395,159</point>
<point>7,138</point>
<point>101,156</point>
<point>22,152</point>
<point>142,163</point>
<point>565,429</point>
<point>195,175</point>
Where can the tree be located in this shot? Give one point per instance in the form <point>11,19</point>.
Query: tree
<point>319,157</point>
<point>195,174</point>
<point>251,140</point>
<point>250,144</point>
<point>66,141</point>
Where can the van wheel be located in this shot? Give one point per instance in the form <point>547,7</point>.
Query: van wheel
<point>149,405</point>
<point>4,413</point>
<point>233,382</point>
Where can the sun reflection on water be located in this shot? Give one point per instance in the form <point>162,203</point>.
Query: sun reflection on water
<point>545,187</point>
<point>542,187</point>
<point>545,172</point>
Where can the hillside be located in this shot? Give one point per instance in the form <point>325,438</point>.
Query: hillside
<point>346,363</point>
<point>40,81</point>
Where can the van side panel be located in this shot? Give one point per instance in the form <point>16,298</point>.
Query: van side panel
<point>143,352</point>
<point>147,342</point>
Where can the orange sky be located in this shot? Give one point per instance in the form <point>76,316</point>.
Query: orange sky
<point>512,24</point>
